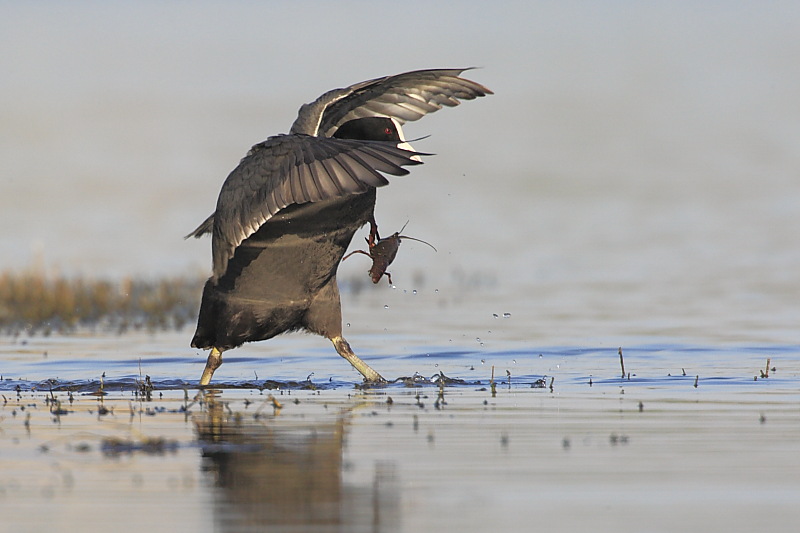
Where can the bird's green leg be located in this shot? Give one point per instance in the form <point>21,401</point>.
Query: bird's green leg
<point>214,362</point>
<point>343,349</point>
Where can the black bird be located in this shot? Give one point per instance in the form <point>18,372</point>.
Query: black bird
<point>287,213</point>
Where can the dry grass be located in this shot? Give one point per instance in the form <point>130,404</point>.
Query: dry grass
<point>35,302</point>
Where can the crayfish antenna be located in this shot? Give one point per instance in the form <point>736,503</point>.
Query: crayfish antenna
<point>418,240</point>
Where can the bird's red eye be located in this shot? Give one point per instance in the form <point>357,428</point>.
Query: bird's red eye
<point>388,131</point>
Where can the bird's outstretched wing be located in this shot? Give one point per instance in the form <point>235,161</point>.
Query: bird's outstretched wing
<point>404,97</point>
<point>295,169</point>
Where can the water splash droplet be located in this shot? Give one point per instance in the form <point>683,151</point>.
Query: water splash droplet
<point>435,290</point>
<point>386,306</point>
<point>414,291</point>
<point>348,324</point>
<point>506,315</point>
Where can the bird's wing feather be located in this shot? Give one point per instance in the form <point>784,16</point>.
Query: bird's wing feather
<point>296,169</point>
<point>205,227</point>
<point>405,97</point>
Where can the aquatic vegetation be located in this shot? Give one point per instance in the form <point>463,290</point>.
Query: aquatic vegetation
<point>37,303</point>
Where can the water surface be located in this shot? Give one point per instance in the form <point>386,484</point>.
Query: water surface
<point>696,438</point>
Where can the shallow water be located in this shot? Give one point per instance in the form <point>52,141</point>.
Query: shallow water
<point>694,439</point>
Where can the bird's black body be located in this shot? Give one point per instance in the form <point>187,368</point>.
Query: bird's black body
<point>283,277</point>
<point>258,297</point>
<point>287,213</point>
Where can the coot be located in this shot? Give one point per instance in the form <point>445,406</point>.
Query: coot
<point>287,213</point>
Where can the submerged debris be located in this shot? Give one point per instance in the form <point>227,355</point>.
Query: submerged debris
<point>145,388</point>
<point>615,439</point>
<point>436,379</point>
<point>765,372</point>
<point>114,447</point>
<point>57,410</point>
<point>272,384</point>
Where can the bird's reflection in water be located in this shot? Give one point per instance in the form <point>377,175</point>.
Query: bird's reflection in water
<point>277,474</point>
